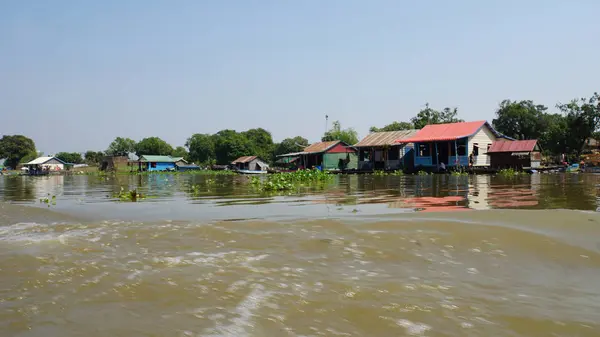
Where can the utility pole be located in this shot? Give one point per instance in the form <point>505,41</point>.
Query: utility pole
<point>326,119</point>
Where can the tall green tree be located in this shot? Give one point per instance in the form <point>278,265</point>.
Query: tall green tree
<point>180,151</point>
<point>14,148</point>
<point>290,145</point>
<point>230,145</point>
<point>153,146</point>
<point>582,120</point>
<point>395,126</point>
<point>554,138</point>
<point>201,148</point>
<point>70,157</point>
<point>349,136</point>
<point>521,120</point>
<point>261,143</point>
<point>93,157</point>
<point>431,116</point>
<point>121,147</point>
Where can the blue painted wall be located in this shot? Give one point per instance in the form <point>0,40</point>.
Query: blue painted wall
<point>160,166</point>
<point>427,161</point>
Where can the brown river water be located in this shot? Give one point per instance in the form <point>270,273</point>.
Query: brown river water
<point>363,256</point>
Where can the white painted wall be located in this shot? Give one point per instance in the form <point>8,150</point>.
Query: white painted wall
<point>483,138</point>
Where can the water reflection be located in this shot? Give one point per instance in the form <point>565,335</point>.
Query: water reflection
<point>420,193</point>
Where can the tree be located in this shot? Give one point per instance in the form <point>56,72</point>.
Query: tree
<point>521,120</point>
<point>180,151</point>
<point>230,145</point>
<point>153,146</point>
<point>121,147</point>
<point>395,126</point>
<point>582,120</point>
<point>70,157</point>
<point>290,145</point>
<point>554,138</point>
<point>348,136</point>
<point>260,142</point>
<point>14,148</point>
<point>93,157</point>
<point>430,116</point>
<point>201,148</point>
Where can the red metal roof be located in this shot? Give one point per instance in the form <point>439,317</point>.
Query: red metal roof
<point>512,146</point>
<point>444,132</point>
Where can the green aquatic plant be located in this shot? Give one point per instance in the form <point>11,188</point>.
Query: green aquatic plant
<point>422,173</point>
<point>386,173</point>
<point>49,200</point>
<point>128,195</point>
<point>510,172</point>
<point>459,173</point>
<point>287,181</point>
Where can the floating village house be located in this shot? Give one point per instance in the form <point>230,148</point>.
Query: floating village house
<point>517,154</point>
<point>250,163</point>
<point>329,156</point>
<point>45,164</point>
<point>453,144</point>
<point>380,151</point>
<point>160,163</point>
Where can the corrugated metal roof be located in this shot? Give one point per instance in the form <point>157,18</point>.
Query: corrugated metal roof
<point>444,132</point>
<point>385,138</point>
<point>314,148</point>
<point>512,146</point>
<point>244,159</point>
<point>43,160</point>
<point>156,159</point>
<point>320,147</point>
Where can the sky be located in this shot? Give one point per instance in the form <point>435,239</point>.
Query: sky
<point>76,74</point>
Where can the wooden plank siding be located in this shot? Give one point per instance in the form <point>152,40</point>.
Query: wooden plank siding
<point>484,139</point>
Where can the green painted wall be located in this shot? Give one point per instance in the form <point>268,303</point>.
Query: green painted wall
<point>331,160</point>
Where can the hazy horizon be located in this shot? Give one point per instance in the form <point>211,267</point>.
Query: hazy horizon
<point>76,74</point>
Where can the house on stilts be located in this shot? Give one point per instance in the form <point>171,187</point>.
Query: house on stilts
<point>380,151</point>
<point>460,144</point>
<point>328,156</point>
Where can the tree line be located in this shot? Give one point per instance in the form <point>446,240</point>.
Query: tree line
<point>563,132</point>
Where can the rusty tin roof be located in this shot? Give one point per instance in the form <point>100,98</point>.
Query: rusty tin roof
<point>513,146</point>
<point>384,138</point>
<point>244,159</point>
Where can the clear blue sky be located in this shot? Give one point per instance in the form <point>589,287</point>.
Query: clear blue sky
<point>76,74</point>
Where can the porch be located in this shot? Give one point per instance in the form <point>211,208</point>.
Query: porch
<point>385,157</point>
<point>453,153</point>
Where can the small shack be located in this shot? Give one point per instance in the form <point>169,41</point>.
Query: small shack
<point>180,161</point>
<point>380,151</point>
<point>44,165</point>
<point>156,163</point>
<point>515,154</point>
<point>250,163</point>
<point>328,156</point>
<point>115,163</point>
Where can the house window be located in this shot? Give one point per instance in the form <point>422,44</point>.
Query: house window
<point>394,153</point>
<point>364,155</point>
<point>153,165</point>
<point>460,145</point>
<point>424,150</point>
<point>475,149</point>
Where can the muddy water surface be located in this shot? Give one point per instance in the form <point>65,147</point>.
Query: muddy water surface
<point>364,256</point>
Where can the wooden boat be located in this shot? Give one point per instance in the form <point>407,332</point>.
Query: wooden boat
<point>250,172</point>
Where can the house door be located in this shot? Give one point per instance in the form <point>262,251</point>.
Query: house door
<point>443,153</point>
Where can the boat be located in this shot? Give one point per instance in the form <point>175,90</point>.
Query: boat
<point>250,172</point>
